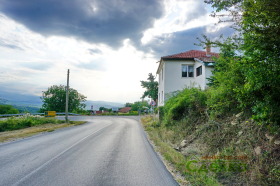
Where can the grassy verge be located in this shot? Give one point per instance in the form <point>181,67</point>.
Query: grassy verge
<point>25,121</point>
<point>163,138</point>
<point>14,128</point>
<point>233,151</point>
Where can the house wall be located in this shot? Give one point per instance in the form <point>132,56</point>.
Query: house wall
<point>208,74</point>
<point>200,80</point>
<point>161,77</point>
<point>170,78</point>
<point>173,77</point>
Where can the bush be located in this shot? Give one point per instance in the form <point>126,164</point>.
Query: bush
<point>161,113</point>
<point>131,113</point>
<point>15,123</point>
<point>8,109</point>
<point>187,103</point>
<point>221,102</point>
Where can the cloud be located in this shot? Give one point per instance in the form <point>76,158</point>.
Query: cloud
<point>185,40</point>
<point>92,66</point>
<point>9,45</point>
<point>176,42</point>
<point>190,10</point>
<point>96,21</point>
<point>179,15</point>
<point>21,88</point>
<point>40,66</point>
<point>94,51</point>
<point>108,45</point>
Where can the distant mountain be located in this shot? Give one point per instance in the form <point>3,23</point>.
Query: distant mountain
<point>12,98</point>
<point>23,102</point>
<point>32,103</point>
<point>97,104</point>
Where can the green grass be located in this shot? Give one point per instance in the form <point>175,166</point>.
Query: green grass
<point>160,135</point>
<point>230,137</point>
<point>15,123</point>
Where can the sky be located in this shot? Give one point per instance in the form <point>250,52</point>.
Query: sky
<point>108,45</point>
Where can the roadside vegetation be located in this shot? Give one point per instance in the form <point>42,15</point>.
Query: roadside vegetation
<point>214,150</point>
<point>229,134</point>
<point>15,123</point>
<point>8,109</point>
<point>28,125</point>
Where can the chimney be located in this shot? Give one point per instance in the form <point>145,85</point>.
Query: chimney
<point>208,50</point>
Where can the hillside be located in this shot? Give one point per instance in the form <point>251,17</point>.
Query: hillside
<point>11,98</point>
<point>23,102</point>
<point>97,104</point>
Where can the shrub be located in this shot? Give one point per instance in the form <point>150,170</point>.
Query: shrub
<point>8,109</point>
<point>221,102</point>
<point>15,123</point>
<point>161,113</point>
<point>133,112</point>
<point>187,103</point>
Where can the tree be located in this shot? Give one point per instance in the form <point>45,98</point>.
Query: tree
<point>8,109</point>
<point>54,99</point>
<point>105,109</point>
<point>140,106</point>
<point>151,87</point>
<point>259,29</point>
<point>128,104</point>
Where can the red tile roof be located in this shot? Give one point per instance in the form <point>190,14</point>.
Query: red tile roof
<point>191,54</point>
<point>125,109</point>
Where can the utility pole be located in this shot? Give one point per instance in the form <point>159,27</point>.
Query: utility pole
<point>67,98</point>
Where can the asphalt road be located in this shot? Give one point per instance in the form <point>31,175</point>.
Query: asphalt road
<point>105,151</point>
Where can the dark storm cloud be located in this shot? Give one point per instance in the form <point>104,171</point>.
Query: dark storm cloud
<point>96,21</point>
<point>177,42</point>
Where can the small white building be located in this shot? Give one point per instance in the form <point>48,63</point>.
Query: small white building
<point>184,70</point>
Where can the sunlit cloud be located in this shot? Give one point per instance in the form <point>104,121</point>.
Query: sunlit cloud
<point>179,16</point>
<point>108,49</point>
<point>98,71</point>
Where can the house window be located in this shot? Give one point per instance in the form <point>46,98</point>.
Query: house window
<point>187,70</point>
<point>198,71</point>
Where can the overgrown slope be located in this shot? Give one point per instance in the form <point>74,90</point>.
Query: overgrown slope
<point>211,149</point>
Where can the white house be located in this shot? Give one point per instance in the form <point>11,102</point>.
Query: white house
<point>184,70</point>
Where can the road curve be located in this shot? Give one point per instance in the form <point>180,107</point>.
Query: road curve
<point>105,151</point>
